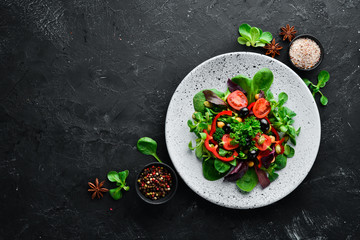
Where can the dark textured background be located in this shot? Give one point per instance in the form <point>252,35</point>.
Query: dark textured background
<point>82,80</point>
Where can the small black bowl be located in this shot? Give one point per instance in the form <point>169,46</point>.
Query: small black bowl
<point>318,43</point>
<point>172,192</point>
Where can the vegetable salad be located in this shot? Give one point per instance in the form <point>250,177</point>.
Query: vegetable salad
<point>244,134</point>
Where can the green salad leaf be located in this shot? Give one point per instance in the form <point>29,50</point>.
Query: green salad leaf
<point>223,152</point>
<point>209,171</point>
<point>272,175</point>
<point>281,117</point>
<point>199,148</point>
<point>200,122</point>
<point>221,166</point>
<point>199,99</point>
<point>248,181</point>
<point>289,151</point>
<point>280,162</point>
<point>262,80</point>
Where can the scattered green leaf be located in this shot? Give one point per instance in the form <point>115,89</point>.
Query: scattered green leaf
<point>113,176</point>
<point>253,36</point>
<point>115,193</point>
<point>323,100</point>
<point>323,78</point>
<point>120,179</point>
<point>148,146</point>
<point>123,175</point>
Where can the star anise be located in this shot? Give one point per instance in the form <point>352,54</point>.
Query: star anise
<point>288,32</point>
<point>273,48</point>
<point>97,189</point>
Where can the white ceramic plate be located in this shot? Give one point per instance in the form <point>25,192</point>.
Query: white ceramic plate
<point>214,73</point>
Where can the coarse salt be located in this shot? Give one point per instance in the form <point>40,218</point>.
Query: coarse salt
<point>304,53</point>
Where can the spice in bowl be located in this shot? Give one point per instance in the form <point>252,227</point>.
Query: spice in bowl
<point>305,53</point>
<point>155,182</point>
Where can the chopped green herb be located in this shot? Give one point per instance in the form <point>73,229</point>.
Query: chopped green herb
<point>218,134</point>
<point>243,132</point>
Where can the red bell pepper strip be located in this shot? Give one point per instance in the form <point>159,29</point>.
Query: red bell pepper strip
<point>213,150</point>
<point>281,141</point>
<point>251,106</point>
<point>277,137</point>
<point>213,125</point>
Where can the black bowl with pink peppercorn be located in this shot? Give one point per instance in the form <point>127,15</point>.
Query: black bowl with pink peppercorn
<point>156,183</point>
<point>306,52</point>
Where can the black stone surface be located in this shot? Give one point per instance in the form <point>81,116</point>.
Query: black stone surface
<point>82,80</point>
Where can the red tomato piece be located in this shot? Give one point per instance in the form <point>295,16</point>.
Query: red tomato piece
<point>261,108</point>
<point>226,139</point>
<point>237,100</point>
<point>265,144</point>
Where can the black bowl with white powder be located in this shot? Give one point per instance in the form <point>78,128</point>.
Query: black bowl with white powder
<point>306,52</point>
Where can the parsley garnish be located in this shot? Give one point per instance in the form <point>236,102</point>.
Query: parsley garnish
<point>242,132</point>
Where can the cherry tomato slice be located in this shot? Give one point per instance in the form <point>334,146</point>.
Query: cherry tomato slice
<point>261,108</point>
<point>237,100</point>
<point>226,139</point>
<point>265,144</point>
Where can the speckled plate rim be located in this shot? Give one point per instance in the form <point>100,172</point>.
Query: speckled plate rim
<point>171,154</point>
